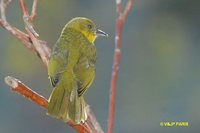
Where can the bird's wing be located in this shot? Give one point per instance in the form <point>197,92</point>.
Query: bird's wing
<point>57,64</point>
<point>63,58</point>
<point>85,73</point>
<point>83,87</point>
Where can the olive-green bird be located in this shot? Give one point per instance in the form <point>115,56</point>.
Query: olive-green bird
<point>71,69</point>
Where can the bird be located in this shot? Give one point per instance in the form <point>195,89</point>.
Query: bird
<point>71,69</point>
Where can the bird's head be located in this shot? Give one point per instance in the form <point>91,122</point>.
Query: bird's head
<point>86,27</point>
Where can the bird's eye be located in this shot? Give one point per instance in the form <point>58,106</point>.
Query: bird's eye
<point>89,26</point>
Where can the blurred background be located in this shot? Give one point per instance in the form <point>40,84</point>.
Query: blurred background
<point>159,77</point>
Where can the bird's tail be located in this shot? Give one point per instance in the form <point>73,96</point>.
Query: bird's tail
<point>65,103</point>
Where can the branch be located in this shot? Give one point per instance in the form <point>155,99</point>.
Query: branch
<point>23,37</point>
<point>121,18</point>
<point>17,86</point>
<point>28,41</point>
<point>40,48</point>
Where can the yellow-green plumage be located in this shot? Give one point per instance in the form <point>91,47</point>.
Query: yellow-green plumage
<point>72,69</point>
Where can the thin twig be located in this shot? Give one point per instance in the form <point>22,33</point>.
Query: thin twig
<point>127,10</point>
<point>43,50</point>
<point>121,18</point>
<point>3,6</point>
<point>27,20</point>
<point>23,37</point>
<point>34,9</point>
<point>23,7</point>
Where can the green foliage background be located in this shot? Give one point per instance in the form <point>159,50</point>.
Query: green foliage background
<point>159,73</point>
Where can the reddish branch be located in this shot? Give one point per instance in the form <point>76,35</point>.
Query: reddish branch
<point>17,86</point>
<point>31,41</point>
<point>121,18</point>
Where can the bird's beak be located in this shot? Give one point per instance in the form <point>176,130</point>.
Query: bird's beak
<point>101,33</point>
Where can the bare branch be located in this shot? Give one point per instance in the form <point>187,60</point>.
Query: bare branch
<point>18,87</point>
<point>29,26</point>
<point>90,126</point>
<point>42,49</point>
<point>23,37</point>
<point>27,20</point>
<point>26,39</point>
<point>121,18</point>
<point>127,10</point>
<point>3,5</point>
<point>23,7</point>
<point>33,12</point>
<point>118,7</point>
